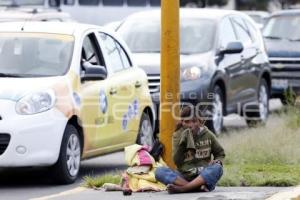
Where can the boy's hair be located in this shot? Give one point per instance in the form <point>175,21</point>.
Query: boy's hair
<point>189,113</point>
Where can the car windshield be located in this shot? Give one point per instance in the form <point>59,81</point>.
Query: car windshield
<point>21,2</point>
<point>196,35</point>
<point>35,54</point>
<point>283,27</point>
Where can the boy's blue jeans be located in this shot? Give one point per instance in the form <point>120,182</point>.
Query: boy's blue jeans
<point>211,175</point>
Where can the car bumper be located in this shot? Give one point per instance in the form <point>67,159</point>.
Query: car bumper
<point>190,91</point>
<point>35,140</point>
<point>280,85</point>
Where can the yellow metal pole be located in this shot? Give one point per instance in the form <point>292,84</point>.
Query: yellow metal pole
<point>170,74</point>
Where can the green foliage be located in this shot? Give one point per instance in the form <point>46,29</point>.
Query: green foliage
<point>97,182</point>
<point>260,175</point>
<point>290,97</point>
<point>264,156</point>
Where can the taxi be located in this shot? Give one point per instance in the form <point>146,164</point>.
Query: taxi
<point>68,92</point>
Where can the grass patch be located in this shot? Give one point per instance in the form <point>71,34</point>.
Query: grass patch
<point>264,156</point>
<point>98,181</point>
<point>260,175</point>
<point>293,119</point>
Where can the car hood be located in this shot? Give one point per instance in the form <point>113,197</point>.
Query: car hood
<point>150,62</point>
<point>15,88</point>
<point>282,48</point>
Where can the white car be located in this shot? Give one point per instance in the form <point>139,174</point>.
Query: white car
<point>68,92</point>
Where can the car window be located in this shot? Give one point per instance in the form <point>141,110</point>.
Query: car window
<point>35,54</point>
<point>227,33</point>
<point>283,27</point>
<point>155,2</point>
<point>136,2</point>
<point>113,2</point>
<point>69,2</point>
<point>89,51</point>
<point>124,57</point>
<point>143,36</point>
<point>117,56</point>
<point>242,30</point>
<point>252,30</point>
<point>88,2</point>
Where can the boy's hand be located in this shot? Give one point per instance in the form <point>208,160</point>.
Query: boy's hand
<point>216,162</point>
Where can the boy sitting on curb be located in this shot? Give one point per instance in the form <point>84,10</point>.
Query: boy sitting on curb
<point>194,146</point>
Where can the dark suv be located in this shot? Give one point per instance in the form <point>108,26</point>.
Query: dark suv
<point>224,66</point>
<point>282,39</point>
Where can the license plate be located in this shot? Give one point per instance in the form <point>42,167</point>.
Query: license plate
<point>280,83</point>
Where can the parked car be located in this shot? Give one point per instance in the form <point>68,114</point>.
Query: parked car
<point>33,14</point>
<point>222,53</point>
<point>282,39</point>
<point>260,17</point>
<point>68,92</point>
<point>113,25</point>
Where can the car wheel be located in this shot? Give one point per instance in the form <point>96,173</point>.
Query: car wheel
<point>215,123</point>
<point>255,118</point>
<point>66,169</point>
<point>145,134</point>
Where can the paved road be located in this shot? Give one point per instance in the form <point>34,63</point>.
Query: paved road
<point>28,183</point>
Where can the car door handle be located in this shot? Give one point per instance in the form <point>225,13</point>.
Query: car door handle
<point>138,84</point>
<point>113,91</point>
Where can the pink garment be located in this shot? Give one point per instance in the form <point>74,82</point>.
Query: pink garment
<point>144,156</point>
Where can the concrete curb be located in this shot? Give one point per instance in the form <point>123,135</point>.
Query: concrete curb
<point>291,194</point>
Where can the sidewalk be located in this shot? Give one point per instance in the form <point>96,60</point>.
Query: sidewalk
<point>221,193</point>
<point>293,194</point>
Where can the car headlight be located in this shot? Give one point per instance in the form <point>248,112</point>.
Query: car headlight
<point>36,103</point>
<point>191,73</point>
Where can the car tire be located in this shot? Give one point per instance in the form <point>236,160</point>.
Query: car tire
<point>254,119</point>
<point>145,134</point>
<point>216,112</point>
<point>66,169</point>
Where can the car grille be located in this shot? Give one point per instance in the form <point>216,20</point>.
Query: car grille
<point>154,83</point>
<point>4,141</point>
<point>285,68</point>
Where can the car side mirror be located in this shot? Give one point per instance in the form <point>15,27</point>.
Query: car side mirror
<point>93,72</point>
<point>232,48</point>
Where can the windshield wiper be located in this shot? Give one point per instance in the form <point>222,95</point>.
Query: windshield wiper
<point>273,37</point>
<point>187,52</point>
<point>154,51</point>
<point>10,75</point>
<point>294,39</point>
